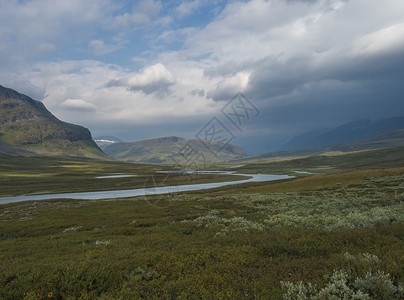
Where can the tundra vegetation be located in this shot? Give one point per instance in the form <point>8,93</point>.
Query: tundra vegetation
<point>339,234</point>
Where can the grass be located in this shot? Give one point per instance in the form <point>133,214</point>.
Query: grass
<point>304,183</point>
<point>129,248</point>
<point>371,159</point>
<point>236,242</point>
<point>21,175</point>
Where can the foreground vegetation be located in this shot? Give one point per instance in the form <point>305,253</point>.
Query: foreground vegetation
<point>201,246</point>
<point>335,235</point>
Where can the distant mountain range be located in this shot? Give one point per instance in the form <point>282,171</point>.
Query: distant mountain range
<point>168,150</point>
<point>388,140</point>
<point>26,126</point>
<point>350,132</point>
<point>353,136</point>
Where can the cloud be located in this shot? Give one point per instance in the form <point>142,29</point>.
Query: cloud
<point>303,63</point>
<point>73,86</point>
<point>388,39</point>
<point>198,92</point>
<point>153,79</point>
<point>44,25</point>
<point>100,48</point>
<point>229,86</point>
<point>188,7</point>
<point>78,105</point>
<point>143,12</point>
<point>26,87</point>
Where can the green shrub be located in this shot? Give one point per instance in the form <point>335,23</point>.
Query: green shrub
<point>342,284</point>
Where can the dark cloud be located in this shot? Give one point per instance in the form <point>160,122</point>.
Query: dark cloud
<point>305,64</point>
<point>222,93</point>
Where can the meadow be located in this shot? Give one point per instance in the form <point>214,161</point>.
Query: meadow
<point>324,236</point>
<point>23,175</point>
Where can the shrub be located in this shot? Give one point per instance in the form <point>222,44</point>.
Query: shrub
<point>343,285</point>
<point>232,224</point>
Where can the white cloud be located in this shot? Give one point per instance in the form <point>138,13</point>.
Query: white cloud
<point>229,86</point>
<point>152,75</point>
<point>73,86</point>
<point>188,7</point>
<point>78,105</point>
<point>387,39</point>
<point>283,44</point>
<point>149,7</point>
<point>155,78</point>
<point>26,87</point>
<point>30,29</point>
<point>100,48</point>
<point>277,51</point>
<point>144,12</point>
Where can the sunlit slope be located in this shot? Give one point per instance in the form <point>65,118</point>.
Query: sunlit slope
<point>26,124</point>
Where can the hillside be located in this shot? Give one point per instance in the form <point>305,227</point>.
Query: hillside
<point>388,140</point>
<point>27,126</point>
<point>346,133</point>
<point>164,150</point>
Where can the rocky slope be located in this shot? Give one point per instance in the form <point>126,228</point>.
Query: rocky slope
<point>27,126</point>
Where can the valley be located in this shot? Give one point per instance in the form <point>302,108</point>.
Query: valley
<point>255,235</point>
<point>79,224</point>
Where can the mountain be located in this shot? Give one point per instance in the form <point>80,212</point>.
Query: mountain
<point>301,141</point>
<point>27,126</point>
<point>388,140</point>
<point>167,150</point>
<point>346,133</point>
<point>106,140</point>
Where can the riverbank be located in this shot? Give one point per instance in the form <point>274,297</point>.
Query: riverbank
<point>146,191</point>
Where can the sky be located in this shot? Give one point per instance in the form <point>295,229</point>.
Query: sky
<point>149,68</point>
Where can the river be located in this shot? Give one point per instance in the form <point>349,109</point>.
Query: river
<point>144,191</point>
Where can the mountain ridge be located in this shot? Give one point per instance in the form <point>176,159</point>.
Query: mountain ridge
<point>168,150</point>
<point>389,140</point>
<point>349,132</point>
<point>26,125</point>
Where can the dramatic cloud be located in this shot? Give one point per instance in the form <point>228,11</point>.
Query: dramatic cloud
<point>152,79</point>
<point>167,67</point>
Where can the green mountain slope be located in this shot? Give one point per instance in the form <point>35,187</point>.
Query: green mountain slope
<point>346,133</point>
<point>388,140</point>
<point>26,125</point>
<point>167,150</point>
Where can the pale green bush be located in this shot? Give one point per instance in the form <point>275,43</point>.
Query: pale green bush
<point>379,284</point>
<point>342,284</point>
<point>338,287</point>
<point>227,225</point>
<point>72,229</point>
<point>102,243</point>
<point>298,290</point>
<point>141,274</point>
